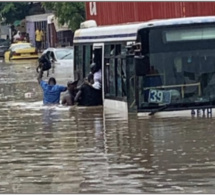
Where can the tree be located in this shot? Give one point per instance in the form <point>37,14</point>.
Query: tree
<point>11,11</point>
<point>71,13</point>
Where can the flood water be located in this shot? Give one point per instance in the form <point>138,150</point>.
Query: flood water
<point>71,150</point>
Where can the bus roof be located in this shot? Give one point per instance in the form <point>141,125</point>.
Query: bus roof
<point>128,32</point>
<point>123,32</point>
<point>178,21</point>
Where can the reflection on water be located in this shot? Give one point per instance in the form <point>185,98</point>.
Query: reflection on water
<point>81,150</point>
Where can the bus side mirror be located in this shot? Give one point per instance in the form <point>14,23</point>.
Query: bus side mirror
<point>142,65</point>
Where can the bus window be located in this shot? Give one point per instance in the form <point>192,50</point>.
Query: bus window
<point>131,82</point>
<point>112,78</point>
<point>97,59</point>
<point>107,51</point>
<point>107,75</point>
<point>118,50</point>
<point>112,50</point>
<point>118,78</point>
<point>124,77</point>
<point>123,50</point>
<point>87,59</point>
<point>78,59</point>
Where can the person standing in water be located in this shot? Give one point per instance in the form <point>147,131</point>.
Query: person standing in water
<point>51,91</point>
<point>69,98</point>
<point>88,95</point>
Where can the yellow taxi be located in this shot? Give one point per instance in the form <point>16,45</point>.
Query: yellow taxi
<point>20,51</point>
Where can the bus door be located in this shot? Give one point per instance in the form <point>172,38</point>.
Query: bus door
<point>98,58</point>
<point>131,80</point>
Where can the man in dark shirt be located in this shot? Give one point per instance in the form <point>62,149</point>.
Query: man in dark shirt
<point>44,63</point>
<point>87,95</point>
<point>51,91</point>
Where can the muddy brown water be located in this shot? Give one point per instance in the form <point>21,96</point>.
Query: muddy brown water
<point>83,150</point>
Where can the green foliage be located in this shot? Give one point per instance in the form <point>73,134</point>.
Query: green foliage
<point>72,13</point>
<point>11,11</point>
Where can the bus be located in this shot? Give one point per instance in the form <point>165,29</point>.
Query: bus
<point>156,67</point>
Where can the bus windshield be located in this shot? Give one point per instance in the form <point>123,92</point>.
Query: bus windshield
<point>181,66</point>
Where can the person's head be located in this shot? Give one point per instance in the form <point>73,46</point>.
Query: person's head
<point>72,85</point>
<point>38,28</point>
<point>52,81</point>
<point>90,78</point>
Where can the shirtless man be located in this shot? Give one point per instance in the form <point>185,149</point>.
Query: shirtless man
<point>68,99</point>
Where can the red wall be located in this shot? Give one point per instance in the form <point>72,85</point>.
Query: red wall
<point>108,13</point>
<point>199,8</point>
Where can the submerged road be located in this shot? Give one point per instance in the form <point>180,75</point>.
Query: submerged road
<point>71,150</point>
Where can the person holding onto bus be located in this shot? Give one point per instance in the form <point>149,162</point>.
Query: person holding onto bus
<point>51,91</point>
<point>97,76</point>
<point>69,98</point>
<point>88,95</point>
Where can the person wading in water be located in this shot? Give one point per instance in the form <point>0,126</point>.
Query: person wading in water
<point>69,98</point>
<point>51,91</point>
<point>88,95</point>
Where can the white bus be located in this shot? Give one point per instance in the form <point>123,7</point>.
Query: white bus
<point>170,66</point>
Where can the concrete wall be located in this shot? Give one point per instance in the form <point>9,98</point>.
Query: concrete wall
<point>30,29</point>
<point>4,31</point>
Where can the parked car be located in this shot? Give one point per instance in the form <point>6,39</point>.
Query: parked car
<point>60,55</point>
<point>4,46</point>
<point>21,50</point>
<point>62,59</point>
<point>2,40</point>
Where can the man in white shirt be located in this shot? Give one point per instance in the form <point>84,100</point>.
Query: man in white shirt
<point>97,76</point>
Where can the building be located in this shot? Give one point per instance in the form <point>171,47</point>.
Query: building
<point>35,21</point>
<point>58,35</point>
<point>108,13</point>
<point>4,31</point>
<point>54,34</point>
